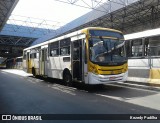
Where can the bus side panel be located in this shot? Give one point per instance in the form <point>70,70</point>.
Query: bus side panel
<point>19,65</point>
<point>24,65</point>
<point>54,67</point>
<point>65,62</point>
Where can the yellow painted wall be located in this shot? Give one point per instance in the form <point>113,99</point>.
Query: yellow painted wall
<point>154,76</point>
<point>155,73</point>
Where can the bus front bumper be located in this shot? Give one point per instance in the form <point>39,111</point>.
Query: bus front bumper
<point>104,79</point>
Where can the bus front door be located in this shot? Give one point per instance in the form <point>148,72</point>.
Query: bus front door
<point>28,63</point>
<point>43,62</point>
<point>77,60</point>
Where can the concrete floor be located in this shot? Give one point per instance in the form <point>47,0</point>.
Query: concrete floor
<point>21,94</point>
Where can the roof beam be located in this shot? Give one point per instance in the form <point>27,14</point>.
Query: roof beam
<point>9,5</point>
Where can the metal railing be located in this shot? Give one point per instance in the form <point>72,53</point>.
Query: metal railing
<point>154,56</point>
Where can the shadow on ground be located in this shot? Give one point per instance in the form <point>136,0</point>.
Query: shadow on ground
<point>108,89</point>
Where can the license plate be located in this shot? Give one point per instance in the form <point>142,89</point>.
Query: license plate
<point>112,78</point>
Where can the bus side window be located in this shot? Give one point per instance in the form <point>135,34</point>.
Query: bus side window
<point>54,49</point>
<point>65,51</point>
<point>65,46</point>
<point>54,52</point>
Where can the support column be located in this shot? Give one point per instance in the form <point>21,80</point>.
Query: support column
<point>130,48</point>
<point>143,47</point>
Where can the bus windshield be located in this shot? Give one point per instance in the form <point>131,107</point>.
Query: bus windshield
<point>105,50</point>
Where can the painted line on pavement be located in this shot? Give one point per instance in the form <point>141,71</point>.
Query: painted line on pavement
<point>112,97</point>
<point>133,88</point>
<point>64,91</point>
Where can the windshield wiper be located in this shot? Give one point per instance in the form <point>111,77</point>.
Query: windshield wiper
<point>101,54</point>
<point>120,45</point>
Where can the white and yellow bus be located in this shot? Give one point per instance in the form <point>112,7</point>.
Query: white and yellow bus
<point>92,55</point>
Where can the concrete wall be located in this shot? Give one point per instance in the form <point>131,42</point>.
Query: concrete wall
<point>144,70</point>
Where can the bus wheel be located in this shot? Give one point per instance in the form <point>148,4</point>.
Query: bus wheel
<point>33,71</point>
<point>67,78</point>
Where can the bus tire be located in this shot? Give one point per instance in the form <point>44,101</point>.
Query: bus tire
<point>67,78</point>
<point>33,71</point>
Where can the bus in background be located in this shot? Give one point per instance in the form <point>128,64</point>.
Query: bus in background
<point>143,52</point>
<point>10,63</point>
<point>18,62</point>
<point>14,63</point>
<point>92,55</point>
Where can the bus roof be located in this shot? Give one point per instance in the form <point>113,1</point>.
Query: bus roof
<point>144,34</point>
<point>71,35</point>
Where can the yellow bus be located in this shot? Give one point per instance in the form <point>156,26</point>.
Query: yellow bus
<point>92,55</point>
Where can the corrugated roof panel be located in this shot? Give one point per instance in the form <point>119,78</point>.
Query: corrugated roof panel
<point>23,31</point>
<point>94,14</point>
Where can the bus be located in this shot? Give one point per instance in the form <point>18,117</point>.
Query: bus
<point>14,63</point>
<point>18,61</point>
<point>143,52</point>
<point>92,55</point>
